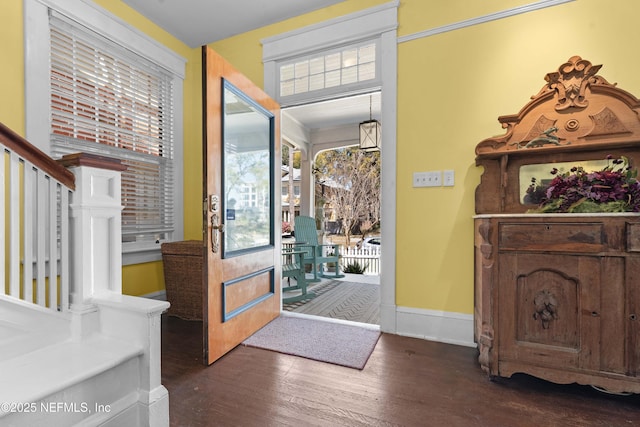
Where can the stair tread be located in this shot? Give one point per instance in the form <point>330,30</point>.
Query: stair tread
<point>42,372</point>
<point>26,327</point>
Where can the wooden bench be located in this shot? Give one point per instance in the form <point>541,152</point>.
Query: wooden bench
<point>293,267</point>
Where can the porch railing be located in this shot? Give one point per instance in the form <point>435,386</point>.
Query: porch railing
<point>34,224</point>
<point>367,258</point>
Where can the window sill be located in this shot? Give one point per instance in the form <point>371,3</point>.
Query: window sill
<point>141,254</point>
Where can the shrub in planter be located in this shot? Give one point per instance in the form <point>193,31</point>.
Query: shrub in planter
<point>354,268</point>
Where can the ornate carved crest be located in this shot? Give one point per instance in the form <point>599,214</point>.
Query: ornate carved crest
<point>571,81</point>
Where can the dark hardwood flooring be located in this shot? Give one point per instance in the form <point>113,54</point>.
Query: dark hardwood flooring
<point>407,382</point>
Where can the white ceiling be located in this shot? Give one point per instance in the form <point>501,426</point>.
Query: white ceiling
<point>199,22</point>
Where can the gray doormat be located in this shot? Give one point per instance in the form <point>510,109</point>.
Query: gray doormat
<point>325,341</point>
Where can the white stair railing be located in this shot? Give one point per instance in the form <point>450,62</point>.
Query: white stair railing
<point>34,224</point>
<point>61,240</point>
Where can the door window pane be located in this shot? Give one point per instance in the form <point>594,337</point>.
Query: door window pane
<point>248,189</point>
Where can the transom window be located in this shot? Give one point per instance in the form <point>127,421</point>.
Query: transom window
<point>337,68</point>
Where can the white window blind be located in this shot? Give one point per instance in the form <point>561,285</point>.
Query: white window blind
<point>107,100</point>
<point>337,68</point>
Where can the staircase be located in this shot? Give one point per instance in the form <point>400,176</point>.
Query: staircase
<point>77,352</point>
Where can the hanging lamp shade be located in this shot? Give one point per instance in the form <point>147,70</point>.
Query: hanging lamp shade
<point>370,135</point>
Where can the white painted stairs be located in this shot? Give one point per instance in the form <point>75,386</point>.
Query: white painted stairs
<point>75,370</point>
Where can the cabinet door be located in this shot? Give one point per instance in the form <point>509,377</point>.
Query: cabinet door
<point>549,310</point>
<point>632,314</point>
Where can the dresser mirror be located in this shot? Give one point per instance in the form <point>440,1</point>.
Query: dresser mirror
<point>541,175</point>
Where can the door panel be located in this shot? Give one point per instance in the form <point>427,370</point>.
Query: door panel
<point>241,148</point>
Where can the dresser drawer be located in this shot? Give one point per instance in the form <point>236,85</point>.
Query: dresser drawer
<point>552,237</point>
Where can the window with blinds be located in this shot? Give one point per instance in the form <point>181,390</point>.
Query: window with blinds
<point>107,100</point>
<point>337,68</point>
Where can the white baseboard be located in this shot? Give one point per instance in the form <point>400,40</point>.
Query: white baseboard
<point>432,325</point>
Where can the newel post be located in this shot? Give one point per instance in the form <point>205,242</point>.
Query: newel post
<point>96,279</point>
<point>96,238</point>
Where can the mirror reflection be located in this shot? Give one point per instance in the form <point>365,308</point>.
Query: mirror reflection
<point>541,174</point>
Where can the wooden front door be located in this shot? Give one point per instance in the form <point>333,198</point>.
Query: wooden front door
<point>241,151</point>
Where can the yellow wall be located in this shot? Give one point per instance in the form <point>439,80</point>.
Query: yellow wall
<point>451,89</point>
<point>12,71</point>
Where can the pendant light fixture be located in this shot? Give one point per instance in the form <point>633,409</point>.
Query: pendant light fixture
<point>370,132</point>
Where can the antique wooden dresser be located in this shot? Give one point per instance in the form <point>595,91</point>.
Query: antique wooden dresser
<point>557,295</point>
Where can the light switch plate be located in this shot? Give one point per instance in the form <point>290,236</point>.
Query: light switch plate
<point>448,178</point>
<point>427,179</point>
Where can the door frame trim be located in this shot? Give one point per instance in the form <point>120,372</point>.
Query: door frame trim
<point>378,22</point>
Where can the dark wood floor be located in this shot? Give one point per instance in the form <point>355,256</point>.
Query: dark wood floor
<point>407,382</point>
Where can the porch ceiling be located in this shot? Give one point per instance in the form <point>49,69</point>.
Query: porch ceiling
<point>336,112</point>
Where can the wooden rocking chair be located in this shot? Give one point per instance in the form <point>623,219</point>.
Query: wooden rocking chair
<point>293,267</point>
<point>314,253</point>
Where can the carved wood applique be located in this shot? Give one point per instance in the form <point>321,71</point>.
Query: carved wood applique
<point>486,247</point>
<point>485,344</point>
<point>546,307</point>
<point>606,122</point>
